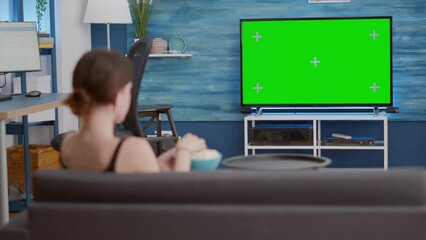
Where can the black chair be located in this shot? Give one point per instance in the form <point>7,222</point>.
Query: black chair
<point>138,55</point>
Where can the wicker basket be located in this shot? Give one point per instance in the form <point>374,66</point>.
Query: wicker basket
<point>41,156</point>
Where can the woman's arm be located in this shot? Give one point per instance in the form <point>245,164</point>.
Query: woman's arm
<point>184,148</point>
<point>183,160</point>
<point>166,160</point>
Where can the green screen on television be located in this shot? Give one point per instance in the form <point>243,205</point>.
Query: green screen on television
<point>316,62</point>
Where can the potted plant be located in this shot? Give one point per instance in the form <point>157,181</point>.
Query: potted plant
<point>40,10</point>
<point>141,13</point>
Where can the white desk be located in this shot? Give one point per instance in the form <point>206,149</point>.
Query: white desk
<point>19,106</point>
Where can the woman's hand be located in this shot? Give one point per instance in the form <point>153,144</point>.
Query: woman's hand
<point>179,158</point>
<point>191,143</point>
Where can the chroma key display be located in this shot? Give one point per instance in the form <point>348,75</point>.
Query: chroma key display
<point>314,62</point>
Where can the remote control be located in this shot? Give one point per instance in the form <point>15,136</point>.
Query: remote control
<point>342,136</point>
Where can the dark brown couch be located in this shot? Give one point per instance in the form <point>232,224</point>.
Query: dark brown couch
<point>249,205</point>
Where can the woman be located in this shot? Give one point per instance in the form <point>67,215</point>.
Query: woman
<point>102,83</point>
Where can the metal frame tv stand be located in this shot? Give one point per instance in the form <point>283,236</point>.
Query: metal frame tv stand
<point>317,120</point>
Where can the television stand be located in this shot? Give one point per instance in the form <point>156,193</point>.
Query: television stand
<point>317,146</point>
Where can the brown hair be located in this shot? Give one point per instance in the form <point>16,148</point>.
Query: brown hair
<point>98,76</point>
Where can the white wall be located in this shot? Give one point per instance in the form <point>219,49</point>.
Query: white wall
<point>72,41</point>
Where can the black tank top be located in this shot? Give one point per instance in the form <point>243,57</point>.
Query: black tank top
<point>111,166</point>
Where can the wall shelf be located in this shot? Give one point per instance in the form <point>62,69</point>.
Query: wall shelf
<point>171,55</point>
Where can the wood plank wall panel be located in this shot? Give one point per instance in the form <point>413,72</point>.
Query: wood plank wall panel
<point>206,86</point>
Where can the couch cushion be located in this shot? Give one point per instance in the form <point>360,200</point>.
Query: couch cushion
<point>87,221</point>
<point>326,187</point>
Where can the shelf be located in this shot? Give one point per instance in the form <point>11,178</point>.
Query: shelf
<point>21,129</point>
<point>315,121</point>
<point>378,145</point>
<point>319,147</point>
<point>171,55</point>
<point>351,147</point>
<point>310,147</point>
<point>45,51</point>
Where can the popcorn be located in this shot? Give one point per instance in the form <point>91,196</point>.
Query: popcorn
<point>206,154</point>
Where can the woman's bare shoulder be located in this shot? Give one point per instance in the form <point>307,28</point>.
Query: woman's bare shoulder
<point>67,141</point>
<point>138,147</point>
<point>138,156</point>
<point>136,141</point>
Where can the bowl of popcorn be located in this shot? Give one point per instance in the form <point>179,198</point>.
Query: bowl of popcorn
<point>206,159</point>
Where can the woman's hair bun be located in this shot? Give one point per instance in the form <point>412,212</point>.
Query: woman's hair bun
<point>79,101</point>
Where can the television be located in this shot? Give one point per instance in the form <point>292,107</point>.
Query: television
<point>316,62</point>
<point>19,49</point>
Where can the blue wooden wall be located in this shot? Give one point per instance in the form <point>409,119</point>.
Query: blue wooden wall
<point>207,86</point>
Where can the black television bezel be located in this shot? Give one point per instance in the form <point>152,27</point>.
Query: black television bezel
<point>316,105</point>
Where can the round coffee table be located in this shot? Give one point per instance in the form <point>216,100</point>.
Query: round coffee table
<point>276,162</point>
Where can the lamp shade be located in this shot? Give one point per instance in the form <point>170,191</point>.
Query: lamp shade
<point>107,11</point>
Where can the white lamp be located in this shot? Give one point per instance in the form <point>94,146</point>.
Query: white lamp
<point>107,11</point>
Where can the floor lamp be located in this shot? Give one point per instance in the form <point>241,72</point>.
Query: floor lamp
<point>107,12</point>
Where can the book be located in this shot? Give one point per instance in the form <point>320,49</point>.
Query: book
<point>46,40</point>
<point>45,45</point>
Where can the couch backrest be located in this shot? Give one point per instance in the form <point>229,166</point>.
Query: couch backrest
<point>324,187</point>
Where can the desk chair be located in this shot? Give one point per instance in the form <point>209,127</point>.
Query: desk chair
<point>138,55</point>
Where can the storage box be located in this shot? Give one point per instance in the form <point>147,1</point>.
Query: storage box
<point>41,156</point>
